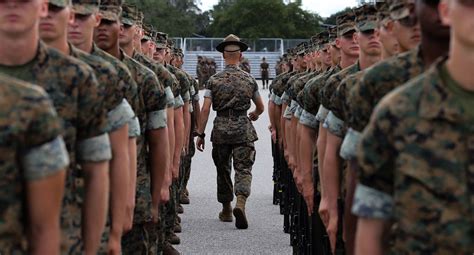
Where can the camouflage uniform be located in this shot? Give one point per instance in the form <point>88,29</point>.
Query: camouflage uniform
<point>287,97</point>
<point>32,149</point>
<point>416,158</point>
<point>376,82</point>
<point>164,76</point>
<point>74,90</point>
<point>171,212</point>
<point>278,87</point>
<point>130,89</point>
<point>245,65</point>
<point>143,238</point>
<point>331,122</point>
<point>194,91</point>
<point>119,111</point>
<point>233,134</point>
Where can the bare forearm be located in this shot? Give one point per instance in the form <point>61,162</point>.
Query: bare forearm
<point>171,142</point>
<point>369,236</point>
<point>187,124</point>
<point>276,116</point>
<point>321,147</point>
<point>197,114</point>
<point>271,114</point>
<point>179,139</point>
<point>122,183</point>
<point>159,161</point>
<point>44,214</point>
<point>204,117</point>
<point>306,152</point>
<point>331,169</point>
<point>95,204</point>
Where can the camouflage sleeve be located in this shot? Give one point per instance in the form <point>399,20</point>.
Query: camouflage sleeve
<point>310,106</point>
<point>360,104</point>
<point>119,116</point>
<point>373,198</point>
<point>93,143</point>
<point>256,94</point>
<point>208,89</point>
<point>178,102</point>
<point>134,129</point>
<point>155,102</point>
<point>334,125</point>
<point>322,114</point>
<point>184,87</point>
<point>350,144</point>
<point>44,152</point>
<point>169,97</point>
<point>196,89</point>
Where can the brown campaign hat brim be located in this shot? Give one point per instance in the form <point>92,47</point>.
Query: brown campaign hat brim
<point>243,47</point>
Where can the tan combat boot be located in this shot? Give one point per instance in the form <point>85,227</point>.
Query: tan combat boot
<point>226,214</point>
<point>239,213</point>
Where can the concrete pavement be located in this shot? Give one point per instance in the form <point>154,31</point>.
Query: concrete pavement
<point>203,233</point>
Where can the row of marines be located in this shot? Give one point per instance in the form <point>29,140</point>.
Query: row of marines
<point>372,125</point>
<point>96,130</point>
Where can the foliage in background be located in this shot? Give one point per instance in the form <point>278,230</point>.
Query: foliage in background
<point>246,18</point>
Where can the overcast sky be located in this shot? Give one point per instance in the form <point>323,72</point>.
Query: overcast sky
<point>323,7</point>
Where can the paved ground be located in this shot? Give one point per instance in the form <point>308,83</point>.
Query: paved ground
<point>203,233</point>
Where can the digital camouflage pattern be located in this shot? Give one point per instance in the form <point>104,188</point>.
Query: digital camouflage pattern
<point>152,116</point>
<point>166,78</point>
<point>142,237</point>
<point>232,89</point>
<point>326,92</point>
<point>31,149</point>
<point>110,83</point>
<point>378,81</point>
<point>76,96</point>
<point>417,166</point>
<point>184,84</point>
<point>310,97</point>
<point>339,105</point>
<point>288,95</point>
<point>243,157</point>
<point>130,89</point>
<point>279,84</point>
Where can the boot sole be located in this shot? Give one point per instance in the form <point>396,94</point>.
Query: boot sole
<point>224,219</point>
<point>240,219</point>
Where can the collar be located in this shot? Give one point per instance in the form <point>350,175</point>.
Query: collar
<point>436,100</point>
<point>42,54</point>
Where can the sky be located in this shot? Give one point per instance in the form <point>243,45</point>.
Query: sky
<point>323,7</point>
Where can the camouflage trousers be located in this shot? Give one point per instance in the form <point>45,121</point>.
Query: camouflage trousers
<point>170,213</point>
<point>243,157</point>
<point>186,165</point>
<point>71,227</point>
<point>142,239</point>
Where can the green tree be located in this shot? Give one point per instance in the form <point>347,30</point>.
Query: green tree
<point>181,18</point>
<point>331,20</point>
<point>263,18</point>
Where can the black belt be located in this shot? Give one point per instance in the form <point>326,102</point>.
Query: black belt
<point>231,113</point>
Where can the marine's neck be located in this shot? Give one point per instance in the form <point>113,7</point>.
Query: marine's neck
<point>433,48</point>
<point>128,49</point>
<point>20,49</point>
<point>460,63</point>
<point>59,44</point>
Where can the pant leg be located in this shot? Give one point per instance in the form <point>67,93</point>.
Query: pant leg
<point>189,157</point>
<point>244,157</point>
<point>141,240</point>
<point>160,229</point>
<point>170,212</point>
<point>221,154</point>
